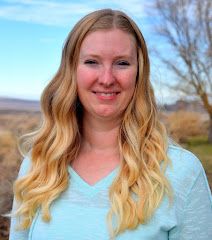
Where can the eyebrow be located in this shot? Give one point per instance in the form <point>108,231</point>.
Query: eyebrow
<point>82,56</point>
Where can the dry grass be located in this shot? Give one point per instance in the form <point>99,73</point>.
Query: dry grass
<point>182,125</point>
<point>12,125</point>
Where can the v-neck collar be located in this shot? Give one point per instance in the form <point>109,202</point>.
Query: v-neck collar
<point>102,184</point>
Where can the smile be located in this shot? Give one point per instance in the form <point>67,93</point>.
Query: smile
<point>106,94</point>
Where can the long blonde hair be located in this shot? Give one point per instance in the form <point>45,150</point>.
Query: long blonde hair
<point>141,183</point>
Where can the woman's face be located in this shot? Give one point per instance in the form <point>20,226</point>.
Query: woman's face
<point>106,73</point>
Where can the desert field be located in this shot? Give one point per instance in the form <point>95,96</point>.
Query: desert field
<point>12,126</point>
<point>187,128</point>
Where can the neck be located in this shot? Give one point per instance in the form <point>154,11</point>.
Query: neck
<point>100,135</point>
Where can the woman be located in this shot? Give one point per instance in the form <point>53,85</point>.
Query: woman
<point>100,166</point>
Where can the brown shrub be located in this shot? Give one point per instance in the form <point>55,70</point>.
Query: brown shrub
<point>12,125</point>
<point>182,124</point>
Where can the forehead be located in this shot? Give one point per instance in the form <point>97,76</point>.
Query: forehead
<point>108,41</point>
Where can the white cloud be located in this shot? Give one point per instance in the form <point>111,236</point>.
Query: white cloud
<point>134,7</point>
<point>43,12</point>
<point>62,13</point>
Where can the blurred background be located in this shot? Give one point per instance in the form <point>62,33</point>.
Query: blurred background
<point>178,34</point>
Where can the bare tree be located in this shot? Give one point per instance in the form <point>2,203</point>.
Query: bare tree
<point>186,27</point>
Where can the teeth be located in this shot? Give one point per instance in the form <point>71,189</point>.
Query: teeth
<point>106,94</point>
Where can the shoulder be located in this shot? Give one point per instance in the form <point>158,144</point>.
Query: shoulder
<point>183,159</point>
<point>184,168</point>
<point>25,166</point>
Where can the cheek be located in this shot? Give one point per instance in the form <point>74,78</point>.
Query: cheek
<point>84,77</point>
<point>81,80</point>
<point>128,81</point>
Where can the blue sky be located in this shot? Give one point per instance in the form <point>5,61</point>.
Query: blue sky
<point>32,36</point>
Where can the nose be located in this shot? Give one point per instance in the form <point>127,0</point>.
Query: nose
<point>106,77</point>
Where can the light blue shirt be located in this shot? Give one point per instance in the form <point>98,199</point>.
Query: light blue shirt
<point>80,212</point>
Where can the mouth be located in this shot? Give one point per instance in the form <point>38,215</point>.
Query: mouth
<point>106,94</point>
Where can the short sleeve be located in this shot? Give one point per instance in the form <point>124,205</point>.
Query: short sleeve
<point>14,233</point>
<point>197,214</point>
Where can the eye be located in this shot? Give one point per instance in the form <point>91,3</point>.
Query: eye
<point>123,63</point>
<point>90,61</point>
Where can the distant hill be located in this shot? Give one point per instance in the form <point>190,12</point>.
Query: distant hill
<point>13,104</point>
<point>193,106</point>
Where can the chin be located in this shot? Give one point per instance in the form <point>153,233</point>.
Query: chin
<point>109,115</point>
<point>106,114</point>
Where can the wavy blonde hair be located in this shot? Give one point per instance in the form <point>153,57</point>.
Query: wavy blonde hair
<point>141,183</point>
